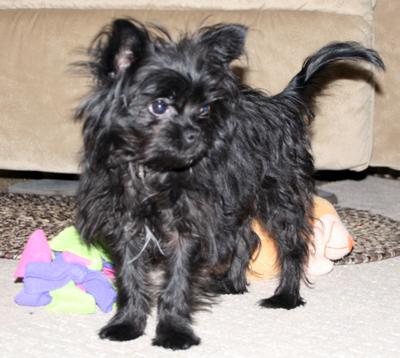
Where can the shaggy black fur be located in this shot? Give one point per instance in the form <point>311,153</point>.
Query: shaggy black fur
<point>179,157</point>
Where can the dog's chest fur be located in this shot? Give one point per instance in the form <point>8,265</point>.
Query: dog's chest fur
<point>179,205</point>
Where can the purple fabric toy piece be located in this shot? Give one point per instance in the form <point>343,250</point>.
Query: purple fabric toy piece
<point>40,278</point>
<point>36,299</point>
<point>96,284</point>
<point>107,264</point>
<point>43,277</point>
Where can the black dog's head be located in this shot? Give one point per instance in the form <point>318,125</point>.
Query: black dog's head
<point>161,103</point>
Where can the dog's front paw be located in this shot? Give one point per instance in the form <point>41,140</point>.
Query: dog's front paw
<point>169,336</point>
<point>282,300</point>
<point>120,332</point>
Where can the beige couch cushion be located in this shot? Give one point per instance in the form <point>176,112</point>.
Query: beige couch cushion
<point>387,110</point>
<point>38,94</point>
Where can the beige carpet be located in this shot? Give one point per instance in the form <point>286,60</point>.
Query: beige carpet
<point>352,312</point>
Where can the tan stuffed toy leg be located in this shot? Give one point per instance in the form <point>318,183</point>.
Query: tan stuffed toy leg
<point>331,241</point>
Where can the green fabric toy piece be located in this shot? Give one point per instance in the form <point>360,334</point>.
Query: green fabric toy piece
<point>71,299</point>
<point>69,240</point>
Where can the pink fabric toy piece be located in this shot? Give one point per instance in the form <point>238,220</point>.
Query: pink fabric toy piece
<point>108,270</point>
<point>71,258</point>
<point>109,273</point>
<point>36,249</point>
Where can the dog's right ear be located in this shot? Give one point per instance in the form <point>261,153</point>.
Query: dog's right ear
<point>224,42</point>
<point>120,48</point>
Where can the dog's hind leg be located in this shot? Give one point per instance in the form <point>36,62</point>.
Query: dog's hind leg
<point>292,255</point>
<point>287,294</point>
<point>174,329</point>
<point>288,221</point>
<point>234,280</point>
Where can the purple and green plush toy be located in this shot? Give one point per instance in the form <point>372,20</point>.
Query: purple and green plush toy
<point>64,274</point>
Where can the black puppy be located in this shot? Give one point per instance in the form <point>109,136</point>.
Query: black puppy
<point>179,157</point>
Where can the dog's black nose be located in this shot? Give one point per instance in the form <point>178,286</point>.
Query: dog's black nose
<point>191,136</point>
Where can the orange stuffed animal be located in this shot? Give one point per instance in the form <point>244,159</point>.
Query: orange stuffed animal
<point>331,241</point>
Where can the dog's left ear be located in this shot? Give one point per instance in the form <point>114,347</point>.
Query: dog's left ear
<point>224,42</point>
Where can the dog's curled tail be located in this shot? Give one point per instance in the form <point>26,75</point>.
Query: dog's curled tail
<point>301,91</point>
<point>338,51</point>
<point>315,65</point>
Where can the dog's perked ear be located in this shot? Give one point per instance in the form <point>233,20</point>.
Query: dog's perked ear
<point>224,43</point>
<point>125,45</point>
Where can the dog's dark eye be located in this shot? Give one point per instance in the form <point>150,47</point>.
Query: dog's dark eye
<point>205,110</point>
<point>158,107</point>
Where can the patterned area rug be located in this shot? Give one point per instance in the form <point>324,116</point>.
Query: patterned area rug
<point>377,237</point>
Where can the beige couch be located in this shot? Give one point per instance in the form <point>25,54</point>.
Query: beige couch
<point>354,128</point>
